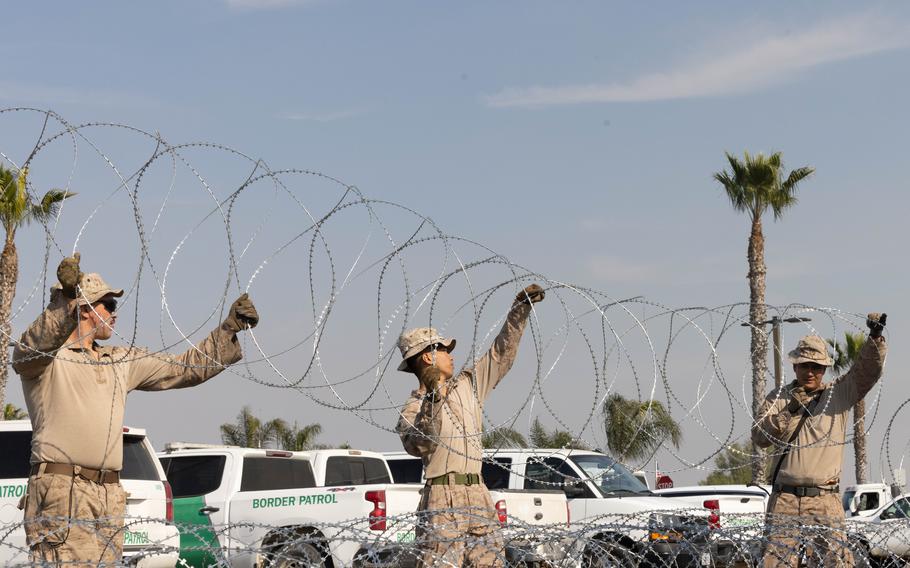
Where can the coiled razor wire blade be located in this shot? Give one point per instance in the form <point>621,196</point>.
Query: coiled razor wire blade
<point>338,244</point>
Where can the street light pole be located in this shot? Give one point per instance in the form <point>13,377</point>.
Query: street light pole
<point>775,335</point>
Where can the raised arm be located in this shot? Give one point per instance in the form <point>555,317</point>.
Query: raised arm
<point>867,368</point>
<point>154,372</point>
<point>496,362</point>
<point>51,329</point>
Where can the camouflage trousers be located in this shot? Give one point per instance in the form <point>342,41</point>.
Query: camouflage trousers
<point>806,526</point>
<point>71,521</point>
<point>458,526</point>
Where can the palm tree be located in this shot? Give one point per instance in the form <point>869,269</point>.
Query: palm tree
<point>13,412</point>
<point>754,186</point>
<point>297,439</point>
<point>733,466</point>
<point>636,429</point>
<point>249,431</point>
<point>541,438</point>
<point>503,437</point>
<point>17,208</point>
<point>845,354</point>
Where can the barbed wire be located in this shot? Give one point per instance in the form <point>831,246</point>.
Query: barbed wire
<point>333,250</point>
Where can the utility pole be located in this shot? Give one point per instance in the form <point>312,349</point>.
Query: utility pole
<point>775,334</point>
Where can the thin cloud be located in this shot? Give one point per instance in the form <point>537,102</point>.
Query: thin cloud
<point>324,117</point>
<point>265,4</point>
<point>765,62</point>
<point>31,94</point>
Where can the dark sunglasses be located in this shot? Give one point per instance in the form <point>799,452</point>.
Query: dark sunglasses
<point>109,304</point>
<point>812,366</point>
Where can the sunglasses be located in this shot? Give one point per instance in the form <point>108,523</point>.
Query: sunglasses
<point>109,304</point>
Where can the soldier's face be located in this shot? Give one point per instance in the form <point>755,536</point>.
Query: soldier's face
<point>442,359</point>
<point>103,317</point>
<point>810,375</point>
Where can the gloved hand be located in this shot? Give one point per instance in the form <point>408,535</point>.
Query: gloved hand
<point>799,399</point>
<point>431,379</point>
<point>876,323</point>
<point>530,295</point>
<point>69,275</point>
<point>243,315</point>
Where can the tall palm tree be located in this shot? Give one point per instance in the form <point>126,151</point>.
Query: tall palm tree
<point>297,439</point>
<point>541,438</point>
<point>845,354</point>
<point>636,429</point>
<point>13,412</point>
<point>249,431</point>
<point>503,437</point>
<point>17,208</point>
<point>754,186</point>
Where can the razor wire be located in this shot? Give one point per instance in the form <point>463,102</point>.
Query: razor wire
<point>333,246</point>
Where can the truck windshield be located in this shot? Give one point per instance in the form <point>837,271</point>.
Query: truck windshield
<point>610,477</point>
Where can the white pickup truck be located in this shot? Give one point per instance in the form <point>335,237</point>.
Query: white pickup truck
<point>615,519</point>
<point>248,507</point>
<point>150,541</point>
<point>535,522</point>
<point>736,515</point>
<point>884,534</point>
<point>867,498</point>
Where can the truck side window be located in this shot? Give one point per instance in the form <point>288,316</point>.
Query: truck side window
<point>346,470</point>
<point>270,474</point>
<point>868,502</point>
<point>547,474</point>
<point>496,475</point>
<point>407,470</point>
<point>137,461</point>
<point>16,449</point>
<point>192,476</point>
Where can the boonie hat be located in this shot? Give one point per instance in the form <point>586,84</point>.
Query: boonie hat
<point>811,349</point>
<point>92,288</point>
<point>413,341</point>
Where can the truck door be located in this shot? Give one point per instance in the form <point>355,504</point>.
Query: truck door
<point>554,473</point>
<point>200,497</point>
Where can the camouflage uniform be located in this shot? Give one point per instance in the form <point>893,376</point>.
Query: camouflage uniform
<point>446,434</point>
<point>76,405</point>
<point>815,459</point>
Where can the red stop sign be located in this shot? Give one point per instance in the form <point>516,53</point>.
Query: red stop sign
<point>664,482</point>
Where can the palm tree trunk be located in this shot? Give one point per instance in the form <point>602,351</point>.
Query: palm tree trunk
<point>759,343</point>
<point>859,440</point>
<point>9,275</point>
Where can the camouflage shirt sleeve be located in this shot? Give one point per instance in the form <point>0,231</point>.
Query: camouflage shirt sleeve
<point>417,426</point>
<point>774,424</point>
<point>162,371</point>
<point>497,361</point>
<point>865,372</point>
<point>48,333</point>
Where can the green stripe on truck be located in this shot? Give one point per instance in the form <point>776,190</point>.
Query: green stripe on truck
<point>197,539</point>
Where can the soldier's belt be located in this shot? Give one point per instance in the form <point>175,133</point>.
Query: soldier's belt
<point>456,479</point>
<point>800,491</point>
<point>96,475</point>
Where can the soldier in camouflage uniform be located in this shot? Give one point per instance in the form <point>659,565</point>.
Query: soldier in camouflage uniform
<point>75,390</point>
<point>806,423</point>
<point>442,424</point>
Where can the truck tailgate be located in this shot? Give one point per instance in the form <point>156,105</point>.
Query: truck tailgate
<point>533,507</point>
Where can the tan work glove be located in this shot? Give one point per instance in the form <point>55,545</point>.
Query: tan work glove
<point>69,275</point>
<point>431,380</point>
<point>243,315</point>
<point>876,323</point>
<point>530,295</point>
<point>799,399</point>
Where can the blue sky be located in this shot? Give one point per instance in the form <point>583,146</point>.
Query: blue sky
<point>578,139</point>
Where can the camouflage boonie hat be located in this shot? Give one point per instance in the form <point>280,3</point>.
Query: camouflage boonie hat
<point>413,341</point>
<point>92,288</point>
<point>811,349</point>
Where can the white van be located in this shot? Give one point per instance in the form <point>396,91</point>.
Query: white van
<point>150,538</point>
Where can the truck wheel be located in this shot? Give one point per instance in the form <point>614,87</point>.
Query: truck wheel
<point>300,555</point>
<point>603,554</point>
